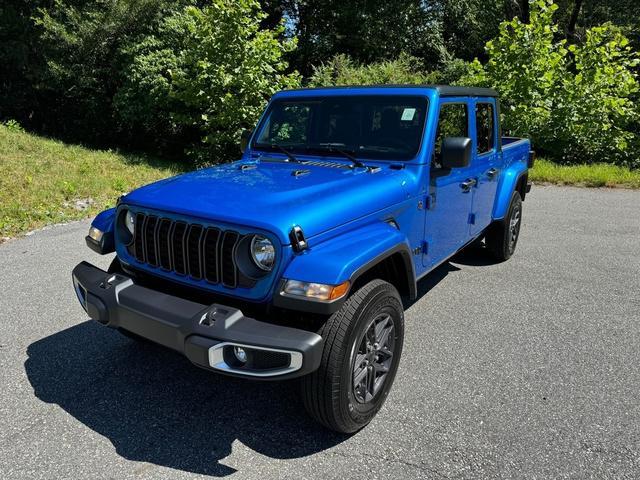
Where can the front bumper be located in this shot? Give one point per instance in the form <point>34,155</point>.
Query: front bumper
<point>205,334</point>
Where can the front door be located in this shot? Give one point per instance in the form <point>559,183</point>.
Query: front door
<point>447,218</point>
<point>485,166</point>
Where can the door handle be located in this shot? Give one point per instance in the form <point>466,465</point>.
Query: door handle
<point>467,184</point>
<point>492,172</point>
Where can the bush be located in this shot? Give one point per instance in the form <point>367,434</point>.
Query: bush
<point>209,72</point>
<point>342,70</point>
<point>13,125</point>
<point>600,95</point>
<point>574,101</point>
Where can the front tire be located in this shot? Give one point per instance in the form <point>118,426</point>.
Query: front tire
<point>362,349</point>
<point>502,235</point>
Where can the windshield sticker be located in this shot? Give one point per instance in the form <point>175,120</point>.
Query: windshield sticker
<point>408,114</point>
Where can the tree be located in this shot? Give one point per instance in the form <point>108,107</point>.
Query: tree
<point>576,102</point>
<point>207,71</point>
<point>21,60</point>
<point>517,8</point>
<point>83,44</point>
<point>573,20</point>
<point>366,31</point>
<point>342,70</point>
<point>468,24</point>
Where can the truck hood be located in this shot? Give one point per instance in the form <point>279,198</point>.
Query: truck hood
<point>275,196</point>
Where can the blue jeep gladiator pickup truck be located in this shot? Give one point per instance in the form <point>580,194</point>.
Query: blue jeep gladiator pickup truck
<point>293,261</point>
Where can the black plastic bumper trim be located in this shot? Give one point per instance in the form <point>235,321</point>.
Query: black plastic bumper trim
<point>106,245</point>
<point>116,301</point>
<point>531,159</point>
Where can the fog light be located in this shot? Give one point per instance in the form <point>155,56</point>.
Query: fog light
<point>240,354</point>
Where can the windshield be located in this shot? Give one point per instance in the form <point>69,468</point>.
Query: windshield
<point>375,127</point>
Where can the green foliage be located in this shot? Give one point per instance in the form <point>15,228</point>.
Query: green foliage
<point>368,32</point>
<point>467,25</point>
<point>82,45</point>
<point>597,112</point>
<point>207,71</point>
<point>434,31</point>
<point>20,63</point>
<point>342,70</point>
<point>171,75</point>
<point>576,101</point>
<point>13,125</point>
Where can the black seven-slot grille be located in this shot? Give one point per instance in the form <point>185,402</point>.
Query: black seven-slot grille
<point>188,249</point>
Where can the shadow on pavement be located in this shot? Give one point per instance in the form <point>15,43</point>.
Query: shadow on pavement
<point>156,407</point>
<point>429,281</point>
<point>474,256</point>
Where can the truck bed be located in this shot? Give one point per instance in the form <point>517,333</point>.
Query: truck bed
<point>509,141</point>
<point>515,150</point>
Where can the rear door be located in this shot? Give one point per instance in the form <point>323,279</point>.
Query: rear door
<point>447,217</point>
<point>485,165</point>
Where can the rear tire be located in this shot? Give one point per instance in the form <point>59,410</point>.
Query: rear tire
<point>502,235</point>
<point>362,348</point>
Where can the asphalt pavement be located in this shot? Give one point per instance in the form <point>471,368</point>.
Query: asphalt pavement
<point>525,369</point>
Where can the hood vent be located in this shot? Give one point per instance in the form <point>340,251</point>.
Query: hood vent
<point>322,163</point>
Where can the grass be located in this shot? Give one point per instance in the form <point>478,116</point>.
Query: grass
<point>597,175</point>
<point>45,181</point>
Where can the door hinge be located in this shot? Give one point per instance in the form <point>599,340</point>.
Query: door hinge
<point>425,247</point>
<point>472,219</point>
<point>430,202</point>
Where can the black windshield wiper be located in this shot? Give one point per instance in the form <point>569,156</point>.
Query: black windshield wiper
<point>349,154</point>
<point>289,155</point>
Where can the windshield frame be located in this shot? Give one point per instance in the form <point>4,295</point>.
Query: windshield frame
<point>310,149</point>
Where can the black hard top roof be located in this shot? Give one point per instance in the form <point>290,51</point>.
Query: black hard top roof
<point>443,90</point>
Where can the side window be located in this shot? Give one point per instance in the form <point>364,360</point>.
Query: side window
<point>453,121</point>
<point>484,127</point>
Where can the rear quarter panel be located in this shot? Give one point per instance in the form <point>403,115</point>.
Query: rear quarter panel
<point>515,155</point>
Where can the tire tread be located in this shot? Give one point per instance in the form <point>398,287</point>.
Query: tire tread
<point>321,389</point>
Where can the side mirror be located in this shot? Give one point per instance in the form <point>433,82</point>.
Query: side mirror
<point>245,136</point>
<point>456,152</point>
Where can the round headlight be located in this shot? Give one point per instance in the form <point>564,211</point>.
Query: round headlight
<point>263,252</point>
<point>126,227</point>
<point>130,221</point>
